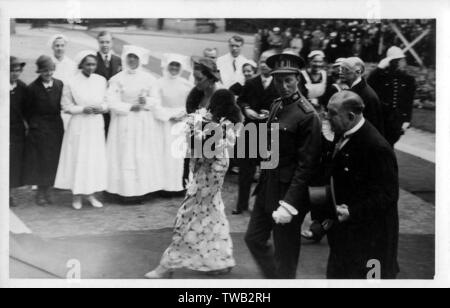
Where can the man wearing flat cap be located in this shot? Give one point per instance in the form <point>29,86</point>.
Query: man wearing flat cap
<point>282,192</point>
<point>396,90</point>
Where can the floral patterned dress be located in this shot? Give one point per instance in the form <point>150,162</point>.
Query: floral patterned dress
<point>202,240</point>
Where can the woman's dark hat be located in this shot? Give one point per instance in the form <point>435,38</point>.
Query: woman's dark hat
<point>14,62</point>
<point>207,64</point>
<point>287,62</point>
<point>45,63</point>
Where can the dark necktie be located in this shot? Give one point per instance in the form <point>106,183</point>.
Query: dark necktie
<point>107,62</point>
<point>234,65</point>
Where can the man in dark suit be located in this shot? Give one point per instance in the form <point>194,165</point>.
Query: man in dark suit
<point>108,64</point>
<point>351,73</point>
<point>255,100</point>
<point>282,193</point>
<point>366,185</point>
<point>396,90</point>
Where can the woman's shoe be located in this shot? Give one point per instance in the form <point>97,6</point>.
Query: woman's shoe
<point>159,273</point>
<point>94,202</point>
<point>225,271</point>
<point>77,203</point>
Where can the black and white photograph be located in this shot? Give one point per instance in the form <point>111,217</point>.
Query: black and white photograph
<point>153,149</point>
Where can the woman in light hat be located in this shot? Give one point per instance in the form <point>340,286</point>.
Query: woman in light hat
<point>173,90</point>
<point>315,78</point>
<point>46,130</point>
<point>82,166</point>
<point>135,140</point>
<point>17,124</point>
<point>65,67</point>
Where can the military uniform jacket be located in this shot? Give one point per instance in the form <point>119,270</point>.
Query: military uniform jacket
<point>396,92</point>
<point>300,139</point>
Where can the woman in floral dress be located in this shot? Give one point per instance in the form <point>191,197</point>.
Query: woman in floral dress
<point>202,240</point>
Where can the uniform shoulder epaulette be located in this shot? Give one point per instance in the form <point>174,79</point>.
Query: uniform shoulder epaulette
<point>305,105</point>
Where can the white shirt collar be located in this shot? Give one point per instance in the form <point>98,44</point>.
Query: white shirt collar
<point>109,54</point>
<point>48,84</point>
<point>266,80</point>
<point>355,129</point>
<point>13,86</point>
<point>357,81</point>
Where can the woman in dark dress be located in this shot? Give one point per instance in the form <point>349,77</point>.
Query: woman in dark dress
<point>17,97</point>
<point>46,130</point>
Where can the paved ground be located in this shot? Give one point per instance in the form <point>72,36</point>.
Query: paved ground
<point>124,242</point>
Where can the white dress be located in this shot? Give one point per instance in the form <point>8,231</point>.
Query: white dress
<point>135,140</point>
<point>173,92</point>
<point>82,164</point>
<point>65,70</point>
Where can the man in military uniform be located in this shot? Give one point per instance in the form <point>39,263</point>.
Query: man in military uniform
<point>282,192</point>
<point>396,90</point>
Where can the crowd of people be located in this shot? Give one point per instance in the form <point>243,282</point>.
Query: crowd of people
<point>103,123</point>
<point>344,38</point>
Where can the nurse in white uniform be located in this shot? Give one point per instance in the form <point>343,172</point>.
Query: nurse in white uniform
<point>135,140</point>
<point>173,90</point>
<point>82,165</point>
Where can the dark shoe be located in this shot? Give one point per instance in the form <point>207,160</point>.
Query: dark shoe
<point>12,203</point>
<point>238,212</point>
<point>49,198</point>
<point>41,201</point>
<point>225,271</point>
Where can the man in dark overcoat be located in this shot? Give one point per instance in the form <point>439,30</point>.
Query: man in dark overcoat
<point>108,64</point>
<point>364,240</point>
<point>256,98</point>
<point>282,193</point>
<point>352,72</point>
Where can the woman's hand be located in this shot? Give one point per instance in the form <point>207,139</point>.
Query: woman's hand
<point>142,100</point>
<point>88,110</point>
<point>136,108</point>
<point>98,110</point>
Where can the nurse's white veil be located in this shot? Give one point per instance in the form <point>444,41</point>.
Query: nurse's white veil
<point>142,53</point>
<point>168,58</point>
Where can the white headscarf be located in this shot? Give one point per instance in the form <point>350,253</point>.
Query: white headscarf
<point>83,54</point>
<point>168,58</point>
<point>142,53</point>
<point>55,37</point>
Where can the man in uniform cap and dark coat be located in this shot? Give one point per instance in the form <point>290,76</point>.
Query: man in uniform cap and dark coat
<point>17,100</point>
<point>282,193</point>
<point>396,90</point>
<point>46,130</point>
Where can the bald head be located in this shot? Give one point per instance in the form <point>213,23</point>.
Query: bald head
<point>345,110</point>
<point>349,101</point>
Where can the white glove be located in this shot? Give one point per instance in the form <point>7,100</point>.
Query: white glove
<point>406,126</point>
<point>282,216</point>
